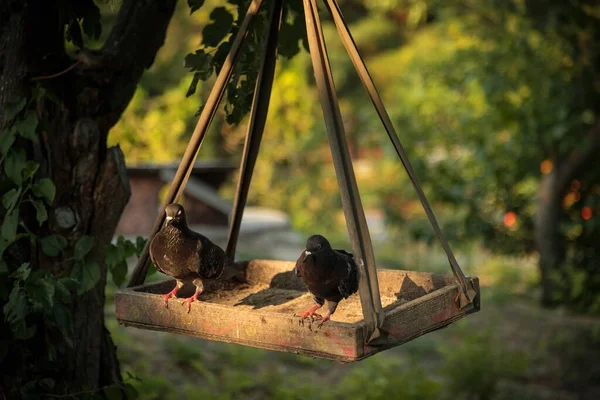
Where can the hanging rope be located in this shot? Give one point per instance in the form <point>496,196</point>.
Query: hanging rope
<point>467,291</point>
<point>189,158</point>
<point>256,126</point>
<point>351,203</point>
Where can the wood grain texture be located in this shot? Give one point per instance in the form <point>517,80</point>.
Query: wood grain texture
<point>260,314</point>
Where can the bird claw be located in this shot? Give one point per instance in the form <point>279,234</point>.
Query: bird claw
<point>325,319</point>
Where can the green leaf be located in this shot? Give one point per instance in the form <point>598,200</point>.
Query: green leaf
<point>193,85</point>
<point>63,321</point>
<point>215,32</point>
<point>30,169</point>
<point>140,242</point>
<point>3,268</point>
<point>40,211</point>
<point>10,198</point>
<point>13,107</point>
<point>43,291</point>
<point>14,164</point>
<point>119,272</point>
<point>27,126</point>
<point>62,293</point>
<point>113,393</point>
<point>17,307</point>
<point>7,138</point>
<point>130,391</point>
<point>201,63</point>
<point>44,188</point>
<point>9,226</point>
<point>22,273</point>
<point>195,5</point>
<point>83,247</point>
<point>53,244</point>
<point>69,282</point>
<point>87,275</point>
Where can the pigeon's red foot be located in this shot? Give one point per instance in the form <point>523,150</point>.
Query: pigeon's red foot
<point>167,296</point>
<point>309,314</point>
<point>190,300</point>
<point>326,318</point>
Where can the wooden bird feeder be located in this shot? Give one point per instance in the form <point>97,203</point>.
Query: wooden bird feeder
<point>391,308</point>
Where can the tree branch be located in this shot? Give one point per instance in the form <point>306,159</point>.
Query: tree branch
<point>130,48</point>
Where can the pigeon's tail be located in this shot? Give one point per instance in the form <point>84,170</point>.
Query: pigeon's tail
<point>235,272</point>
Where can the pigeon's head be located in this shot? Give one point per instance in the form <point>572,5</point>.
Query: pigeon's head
<point>316,243</point>
<point>175,214</point>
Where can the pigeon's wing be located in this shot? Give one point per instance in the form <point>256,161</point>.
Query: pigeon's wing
<point>349,283</point>
<point>212,260</point>
<point>344,252</point>
<point>155,241</point>
<point>300,262</point>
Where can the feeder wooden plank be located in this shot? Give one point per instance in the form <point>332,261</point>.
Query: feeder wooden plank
<point>260,314</point>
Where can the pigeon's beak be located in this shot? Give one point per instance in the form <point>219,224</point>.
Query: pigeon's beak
<point>169,218</point>
<point>307,253</point>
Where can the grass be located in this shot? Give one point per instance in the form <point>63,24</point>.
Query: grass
<point>510,350</point>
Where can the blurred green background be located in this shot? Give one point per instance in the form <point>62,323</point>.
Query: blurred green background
<point>496,103</point>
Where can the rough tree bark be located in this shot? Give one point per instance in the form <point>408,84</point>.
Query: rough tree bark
<point>91,183</point>
<point>550,242</point>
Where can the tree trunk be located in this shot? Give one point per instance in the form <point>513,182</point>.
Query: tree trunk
<point>92,187</point>
<point>550,242</point>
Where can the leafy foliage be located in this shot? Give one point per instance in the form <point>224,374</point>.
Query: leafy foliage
<point>217,41</point>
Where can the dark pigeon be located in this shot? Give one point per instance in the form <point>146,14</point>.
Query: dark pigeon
<point>330,276</point>
<point>185,255</point>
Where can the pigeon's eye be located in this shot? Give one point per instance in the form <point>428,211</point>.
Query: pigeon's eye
<point>318,246</point>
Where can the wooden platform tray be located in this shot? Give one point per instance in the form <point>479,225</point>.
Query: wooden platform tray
<point>261,313</point>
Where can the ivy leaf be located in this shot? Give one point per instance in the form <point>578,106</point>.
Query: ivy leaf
<point>87,275</point>
<point>62,319</point>
<point>30,169</point>
<point>27,126</point>
<point>12,108</point>
<point>44,188</point>
<point>69,283</point>
<point>40,211</point>
<point>22,273</point>
<point>195,5</point>
<point>62,293</point>
<point>10,198</point>
<point>42,291</point>
<point>193,85</point>
<point>53,244</point>
<point>201,63</point>
<point>215,32</point>
<point>17,307</point>
<point>140,242</point>
<point>119,272</point>
<point>14,164</point>
<point>6,140</point>
<point>9,226</point>
<point>83,247</point>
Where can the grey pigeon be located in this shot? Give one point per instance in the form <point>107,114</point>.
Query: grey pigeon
<point>185,255</point>
<point>329,275</point>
